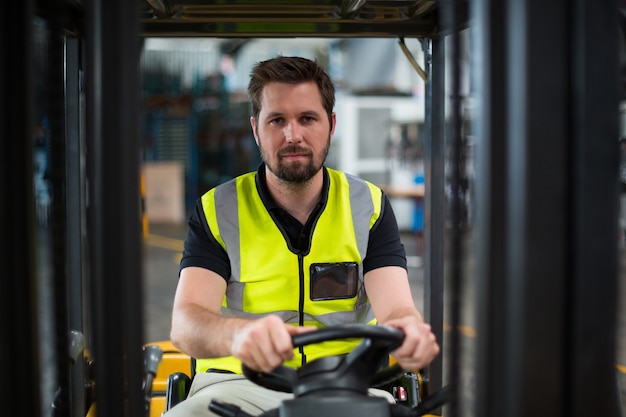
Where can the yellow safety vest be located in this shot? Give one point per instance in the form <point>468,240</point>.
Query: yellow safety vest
<point>321,287</point>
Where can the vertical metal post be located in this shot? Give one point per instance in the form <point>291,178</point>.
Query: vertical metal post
<point>434,206</point>
<point>548,325</point>
<point>450,23</point>
<point>55,105</point>
<point>112,92</point>
<point>489,77</point>
<point>592,283</point>
<point>75,182</point>
<point>19,325</point>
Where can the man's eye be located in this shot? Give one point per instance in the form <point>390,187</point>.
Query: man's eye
<point>308,119</point>
<point>276,121</point>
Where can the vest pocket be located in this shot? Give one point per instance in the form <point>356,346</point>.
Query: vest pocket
<point>333,281</point>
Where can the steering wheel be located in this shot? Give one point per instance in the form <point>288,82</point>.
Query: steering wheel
<point>347,374</point>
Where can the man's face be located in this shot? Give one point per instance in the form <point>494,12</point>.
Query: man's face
<point>293,131</point>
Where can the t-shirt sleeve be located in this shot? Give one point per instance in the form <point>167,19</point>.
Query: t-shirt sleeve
<point>201,249</point>
<point>385,247</point>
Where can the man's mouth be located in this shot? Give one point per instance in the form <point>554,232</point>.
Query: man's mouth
<point>294,154</point>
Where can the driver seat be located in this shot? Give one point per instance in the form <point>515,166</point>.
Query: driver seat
<point>172,380</point>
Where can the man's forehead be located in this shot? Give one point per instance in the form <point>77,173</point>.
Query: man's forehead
<point>275,87</point>
<point>283,97</point>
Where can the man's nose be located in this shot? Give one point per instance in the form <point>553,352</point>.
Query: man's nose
<point>293,133</point>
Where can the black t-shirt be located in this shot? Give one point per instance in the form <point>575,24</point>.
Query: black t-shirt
<point>384,248</point>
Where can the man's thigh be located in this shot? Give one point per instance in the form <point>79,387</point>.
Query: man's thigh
<point>237,390</point>
<point>229,388</point>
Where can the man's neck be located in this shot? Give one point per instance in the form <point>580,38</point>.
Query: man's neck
<point>298,199</point>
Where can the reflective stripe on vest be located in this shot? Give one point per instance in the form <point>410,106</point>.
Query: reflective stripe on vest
<point>269,278</point>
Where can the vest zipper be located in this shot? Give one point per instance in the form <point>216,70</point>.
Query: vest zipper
<point>301,301</point>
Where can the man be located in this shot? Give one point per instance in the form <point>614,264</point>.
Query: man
<point>293,247</point>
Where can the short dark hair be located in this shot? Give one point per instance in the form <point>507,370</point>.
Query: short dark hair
<point>291,70</point>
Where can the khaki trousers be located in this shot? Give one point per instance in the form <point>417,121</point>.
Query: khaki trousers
<point>235,389</point>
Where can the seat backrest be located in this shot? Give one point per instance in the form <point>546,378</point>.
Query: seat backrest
<point>173,362</point>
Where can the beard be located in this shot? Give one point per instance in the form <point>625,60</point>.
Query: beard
<point>295,171</point>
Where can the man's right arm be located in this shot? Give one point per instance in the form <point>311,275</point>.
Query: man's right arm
<point>197,327</point>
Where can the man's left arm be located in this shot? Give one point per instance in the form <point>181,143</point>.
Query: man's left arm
<point>393,305</point>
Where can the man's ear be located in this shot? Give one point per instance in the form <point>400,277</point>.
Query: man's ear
<point>254,131</point>
<point>334,124</point>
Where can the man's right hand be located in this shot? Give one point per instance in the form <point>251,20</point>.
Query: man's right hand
<point>265,343</point>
